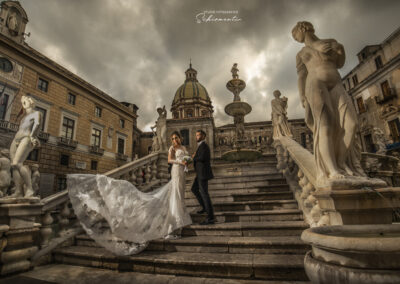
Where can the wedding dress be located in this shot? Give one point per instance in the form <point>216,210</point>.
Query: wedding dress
<point>123,219</point>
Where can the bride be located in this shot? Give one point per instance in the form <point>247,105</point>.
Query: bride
<point>123,219</point>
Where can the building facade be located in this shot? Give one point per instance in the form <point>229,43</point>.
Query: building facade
<point>84,130</point>
<point>374,86</point>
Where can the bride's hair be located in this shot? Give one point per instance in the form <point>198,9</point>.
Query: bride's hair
<point>177,134</point>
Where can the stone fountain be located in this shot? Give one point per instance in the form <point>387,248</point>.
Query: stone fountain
<point>238,109</point>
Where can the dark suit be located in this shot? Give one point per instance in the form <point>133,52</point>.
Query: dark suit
<point>202,166</point>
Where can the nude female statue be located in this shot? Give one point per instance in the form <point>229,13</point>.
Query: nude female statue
<point>24,142</point>
<point>329,112</point>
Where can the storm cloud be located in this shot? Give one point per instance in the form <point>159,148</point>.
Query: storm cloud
<point>137,51</point>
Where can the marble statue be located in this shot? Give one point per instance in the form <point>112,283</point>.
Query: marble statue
<point>35,178</point>
<point>380,141</point>
<point>279,116</point>
<point>235,71</point>
<point>155,147</point>
<point>24,142</point>
<point>161,129</point>
<point>12,23</point>
<point>329,112</point>
<point>5,172</point>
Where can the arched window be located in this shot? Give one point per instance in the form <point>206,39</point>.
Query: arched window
<point>5,65</point>
<point>189,113</point>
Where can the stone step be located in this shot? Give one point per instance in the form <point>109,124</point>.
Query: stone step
<point>253,216</point>
<point>248,184</point>
<point>218,244</point>
<point>230,191</point>
<point>247,229</point>
<point>248,266</point>
<point>190,198</point>
<point>250,205</point>
<point>240,178</point>
<point>62,273</point>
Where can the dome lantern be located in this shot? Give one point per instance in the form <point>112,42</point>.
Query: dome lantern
<point>191,100</point>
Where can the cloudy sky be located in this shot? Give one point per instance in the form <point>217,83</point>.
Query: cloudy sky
<point>137,51</point>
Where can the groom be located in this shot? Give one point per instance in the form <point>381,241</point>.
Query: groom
<point>202,166</point>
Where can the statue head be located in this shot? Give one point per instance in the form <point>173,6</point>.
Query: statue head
<point>300,29</point>
<point>277,94</point>
<point>27,102</point>
<point>159,110</point>
<point>234,64</point>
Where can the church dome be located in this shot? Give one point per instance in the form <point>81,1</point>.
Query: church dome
<point>191,98</point>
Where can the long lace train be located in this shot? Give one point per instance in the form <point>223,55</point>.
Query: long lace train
<point>123,219</point>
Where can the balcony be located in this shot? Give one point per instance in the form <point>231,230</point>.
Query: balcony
<point>66,142</point>
<point>9,126</point>
<point>96,150</point>
<point>122,157</point>
<point>381,99</point>
<point>43,136</point>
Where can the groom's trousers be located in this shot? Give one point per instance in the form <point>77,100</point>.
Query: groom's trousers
<point>200,190</point>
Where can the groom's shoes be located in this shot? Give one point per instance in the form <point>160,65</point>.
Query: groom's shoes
<point>208,222</point>
<point>202,211</point>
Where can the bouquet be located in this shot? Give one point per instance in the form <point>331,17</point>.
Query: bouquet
<point>188,160</point>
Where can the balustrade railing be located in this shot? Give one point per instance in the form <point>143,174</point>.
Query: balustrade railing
<point>298,166</point>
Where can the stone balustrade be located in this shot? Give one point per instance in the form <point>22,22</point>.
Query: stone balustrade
<point>35,227</point>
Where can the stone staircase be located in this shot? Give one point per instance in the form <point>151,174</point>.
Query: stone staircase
<point>257,236</point>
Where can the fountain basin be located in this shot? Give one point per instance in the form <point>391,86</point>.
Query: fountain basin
<point>241,155</point>
<point>237,108</point>
<point>353,254</point>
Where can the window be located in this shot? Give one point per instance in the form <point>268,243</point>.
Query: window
<point>185,137</point>
<point>204,113</point>
<point>43,85</point>
<point>122,123</point>
<point>121,146</point>
<point>385,89</point>
<point>361,105</point>
<point>3,106</point>
<point>378,62</point>
<point>64,160</point>
<point>176,114</point>
<point>96,137</point>
<point>355,80</point>
<point>6,65</point>
<point>71,99</point>
<point>303,140</point>
<point>33,155</point>
<point>189,113</point>
<point>44,113</point>
<point>68,128</point>
<point>61,183</point>
<point>394,129</point>
<point>98,111</point>
<point>93,165</point>
<point>369,144</point>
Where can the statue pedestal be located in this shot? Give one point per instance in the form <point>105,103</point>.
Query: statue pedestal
<point>359,206</point>
<point>19,240</point>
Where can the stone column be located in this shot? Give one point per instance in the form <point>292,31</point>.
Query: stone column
<point>19,241</point>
